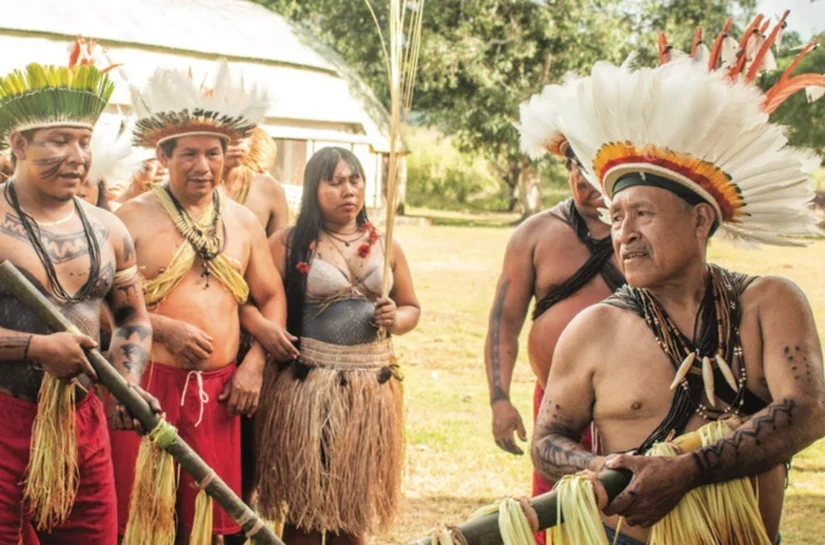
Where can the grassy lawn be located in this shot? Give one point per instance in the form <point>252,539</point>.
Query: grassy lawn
<point>453,466</point>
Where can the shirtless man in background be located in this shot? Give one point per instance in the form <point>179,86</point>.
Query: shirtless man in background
<point>248,182</point>
<point>564,259</point>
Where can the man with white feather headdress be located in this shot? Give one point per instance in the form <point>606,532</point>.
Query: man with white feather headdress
<point>201,256</point>
<point>682,153</point>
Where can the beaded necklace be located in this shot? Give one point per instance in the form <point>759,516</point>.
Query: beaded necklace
<point>694,363</point>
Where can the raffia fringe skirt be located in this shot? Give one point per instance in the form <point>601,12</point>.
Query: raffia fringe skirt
<point>330,439</point>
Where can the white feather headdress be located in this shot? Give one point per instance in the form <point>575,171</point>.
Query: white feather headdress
<point>172,105</point>
<point>697,129</point>
<point>538,133</point>
<point>114,160</point>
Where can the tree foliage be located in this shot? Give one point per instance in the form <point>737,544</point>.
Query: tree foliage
<point>481,58</point>
<point>805,122</point>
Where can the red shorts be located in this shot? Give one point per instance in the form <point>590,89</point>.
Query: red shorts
<point>540,485</point>
<point>216,438</point>
<point>93,518</point>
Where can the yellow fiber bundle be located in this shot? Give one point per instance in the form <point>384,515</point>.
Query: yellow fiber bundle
<point>202,525</point>
<point>152,503</point>
<point>717,514</point>
<point>582,519</point>
<point>52,474</point>
<point>733,504</point>
<point>689,522</point>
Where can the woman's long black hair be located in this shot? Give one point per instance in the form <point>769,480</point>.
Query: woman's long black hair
<point>308,227</point>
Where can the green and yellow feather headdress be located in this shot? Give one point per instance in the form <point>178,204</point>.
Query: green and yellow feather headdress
<point>51,96</point>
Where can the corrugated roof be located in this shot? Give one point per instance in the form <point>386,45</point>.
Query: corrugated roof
<point>234,28</point>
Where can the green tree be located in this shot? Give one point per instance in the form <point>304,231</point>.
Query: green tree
<point>805,122</point>
<point>480,59</point>
<point>678,19</point>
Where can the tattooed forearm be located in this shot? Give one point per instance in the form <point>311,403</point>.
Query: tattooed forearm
<point>497,390</point>
<point>770,438</point>
<point>131,341</point>
<point>128,249</point>
<point>558,454</point>
<point>143,332</point>
<point>775,433</point>
<point>13,347</point>
<point>135,357</point>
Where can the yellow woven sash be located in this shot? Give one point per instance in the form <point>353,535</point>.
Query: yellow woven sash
<point>223,268</point>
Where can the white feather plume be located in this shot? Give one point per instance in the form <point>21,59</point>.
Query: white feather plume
<point>729,53</point>
<point>703,118</point>
<point>113,158</point>
<point>702,53</point>
<point>175,100</point>
<point>537,128</point>
<point>814,93</point>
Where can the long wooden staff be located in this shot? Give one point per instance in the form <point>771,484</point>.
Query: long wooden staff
<point>188,459</point>
<point>485,530</point>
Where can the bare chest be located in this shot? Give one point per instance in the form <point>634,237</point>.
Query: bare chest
<point>63,256</point>
<point>160,244</point>
<point>632,384</point>
<point>558,256</point>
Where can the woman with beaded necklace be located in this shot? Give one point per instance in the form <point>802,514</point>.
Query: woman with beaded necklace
<point>330,430</point>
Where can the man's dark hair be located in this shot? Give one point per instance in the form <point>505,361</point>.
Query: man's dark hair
<point>168,147</point>
<point>29,136</point>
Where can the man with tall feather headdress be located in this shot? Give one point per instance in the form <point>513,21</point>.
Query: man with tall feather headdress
<point>682,153</point>
<point>201,256</point>
<point>564,259</point>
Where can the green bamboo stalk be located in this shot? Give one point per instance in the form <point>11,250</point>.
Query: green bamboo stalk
<point>485,531</point>
<point>186,457</point>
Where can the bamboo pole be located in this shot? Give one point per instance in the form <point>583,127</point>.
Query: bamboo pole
<point>485,531</point>
<point>186,457</point>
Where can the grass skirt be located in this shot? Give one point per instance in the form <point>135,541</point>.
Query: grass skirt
<point>330,439</point>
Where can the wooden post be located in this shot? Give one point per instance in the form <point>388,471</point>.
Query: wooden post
<point>187,458</point>
<point>484,530</point>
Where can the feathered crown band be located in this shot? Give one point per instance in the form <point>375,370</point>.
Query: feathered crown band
<point>173,105</point>
<point>700,130</point>
<point>49,96</point>
<point>696,122</point>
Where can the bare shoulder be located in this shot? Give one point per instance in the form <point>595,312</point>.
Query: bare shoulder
<point>140,215</point>
<point>140,205</point>
<point>242,214</point>
<point>280,236</point>
<point>104,217</point>
<point>269,185</point>
<point>278,243</point>
<point>597,330</point>
<point>543,227</point>
<point>608,320</point>
<point>768,291</point>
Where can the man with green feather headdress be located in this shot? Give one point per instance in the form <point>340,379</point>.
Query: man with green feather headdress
<point>56,476</point>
